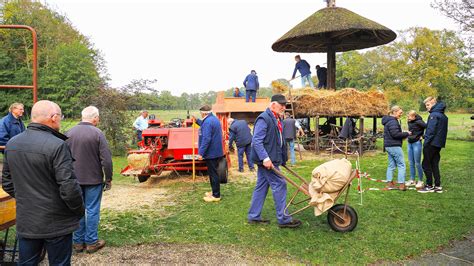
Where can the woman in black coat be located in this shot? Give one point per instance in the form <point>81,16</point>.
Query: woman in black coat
<point>416,126</point>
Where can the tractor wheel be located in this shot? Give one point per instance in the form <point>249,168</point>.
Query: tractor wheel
<point>222,170</point>
<point>143,178</point>
<point>349,221</point>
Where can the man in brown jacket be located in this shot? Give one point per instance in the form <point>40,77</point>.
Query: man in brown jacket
<point>93,160</point>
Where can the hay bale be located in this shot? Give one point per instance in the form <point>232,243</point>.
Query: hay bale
<point>345,102</point>
<point>138,161</point>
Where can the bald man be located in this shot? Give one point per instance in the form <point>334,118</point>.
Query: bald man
<point>38,173</point>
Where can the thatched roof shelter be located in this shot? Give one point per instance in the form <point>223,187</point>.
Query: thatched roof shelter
<point>342,103</point>
<point>330,30</point>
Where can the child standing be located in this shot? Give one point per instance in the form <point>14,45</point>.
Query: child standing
<point>417,127</point>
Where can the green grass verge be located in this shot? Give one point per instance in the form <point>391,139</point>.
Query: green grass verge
<point>392,225</point>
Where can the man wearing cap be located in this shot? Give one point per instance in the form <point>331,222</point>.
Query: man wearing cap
<point>239,132</point>
<point>210,149</point>
<point>251,86</point>
<point>268,152</point>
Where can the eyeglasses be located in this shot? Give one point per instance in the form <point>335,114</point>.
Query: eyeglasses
<point>60,115</point>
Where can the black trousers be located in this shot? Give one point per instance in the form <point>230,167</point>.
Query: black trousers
<point>430,164</point>
<point>214,177</point>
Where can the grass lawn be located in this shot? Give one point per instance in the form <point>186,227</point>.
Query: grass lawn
<point>393,225</point>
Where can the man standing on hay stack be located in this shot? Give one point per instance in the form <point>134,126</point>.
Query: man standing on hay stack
<point>268,152</point>
<point>210,149</point>
<point>305,71</point>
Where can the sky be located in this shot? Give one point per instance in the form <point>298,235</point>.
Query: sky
<point>201,45</point>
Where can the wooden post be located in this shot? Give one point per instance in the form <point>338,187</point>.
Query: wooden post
<point>316,133</point>
<point>294,117</point>
<point>361,134</point>
<point>375,126</point>
<point>331,75</point>
<point>340,121</point>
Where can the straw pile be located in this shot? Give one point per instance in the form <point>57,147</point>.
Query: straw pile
<point>345,102</point>
<point>138,161</point>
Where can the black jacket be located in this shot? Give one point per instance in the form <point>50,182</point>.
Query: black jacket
<point>392,132</point>
<point>417,128</point>
<point>38,173</point>
<point>437,126</point>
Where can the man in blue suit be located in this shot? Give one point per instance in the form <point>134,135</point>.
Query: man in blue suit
<point>251,86</point>
<point>268,152</point>
<point>210,149</point>
<point>239,132</point>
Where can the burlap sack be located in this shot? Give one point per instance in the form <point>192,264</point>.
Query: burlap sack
<point>327,180</point>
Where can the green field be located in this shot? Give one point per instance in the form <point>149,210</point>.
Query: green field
<point>393,225</point>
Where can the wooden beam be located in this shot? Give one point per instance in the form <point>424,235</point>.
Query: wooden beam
<point>361,134</point>
<point>316,134</point>
<point>374,126</point>
<point>331,74</point>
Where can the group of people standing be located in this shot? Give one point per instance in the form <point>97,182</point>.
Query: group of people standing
<point>57,180</point>
<point>433,132</point>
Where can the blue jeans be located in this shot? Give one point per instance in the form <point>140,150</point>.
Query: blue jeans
<point>59,250</point>
<point>240,152</point>
<point>291,144</point>
<point>414,157</point>
<point>267,178</point>
<point>89,224</point>
<point>396,160</point>
<point>250,94</point>
<point>309,79</point>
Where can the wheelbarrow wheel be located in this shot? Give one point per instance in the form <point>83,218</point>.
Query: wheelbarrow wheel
<point>349,221</point>
<point>222,170</point>
<point>143,178</point>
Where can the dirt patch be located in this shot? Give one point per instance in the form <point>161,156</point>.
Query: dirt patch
<point>170,254</point>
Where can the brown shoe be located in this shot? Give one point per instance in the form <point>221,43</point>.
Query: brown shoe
<point>78,248</point>
<point>293,224</point>
<point>96,246</point>
<point>402,187</point>
<point>390,185</point>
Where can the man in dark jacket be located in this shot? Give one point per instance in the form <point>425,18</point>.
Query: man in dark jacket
<point>239,132</point>
<point>291,129</point>
<point>392,142</point>
<point>251,86</point>
<point>268,152</point>
<point>435,139</point>
<point>210,150</point>
<point>305,71</point>
<point>11,124</point>
<point>92,160</point>
<point>322,74</point>
<point>38,172</point>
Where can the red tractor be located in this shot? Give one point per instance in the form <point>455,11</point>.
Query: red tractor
<point>169,147</point>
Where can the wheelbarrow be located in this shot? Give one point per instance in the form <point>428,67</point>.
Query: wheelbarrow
<point>341,217</point>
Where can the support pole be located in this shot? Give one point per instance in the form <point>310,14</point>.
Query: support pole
<point>361,134</point>
<point>374,126</point>
<point>316,133</point>
<point>294,117</point>
<point>331,75</point>
<point>193,146</point>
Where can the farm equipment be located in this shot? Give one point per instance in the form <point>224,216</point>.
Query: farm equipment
<point>168,147</point>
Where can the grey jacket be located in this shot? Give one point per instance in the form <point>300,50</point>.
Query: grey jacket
<point>38,173</point>
<point>92,157</point>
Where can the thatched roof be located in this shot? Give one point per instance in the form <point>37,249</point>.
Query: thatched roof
<point>345,102</point>
<point>338,27</point>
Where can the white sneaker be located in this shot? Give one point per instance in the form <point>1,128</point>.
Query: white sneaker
<point>419,185</point>
<point>410,183</point>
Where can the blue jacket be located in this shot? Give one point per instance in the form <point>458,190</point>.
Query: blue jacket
<point>436,126</point>
<point>392,132</point>
<point>267,142</point>
<point>251,82</point>
<point>303,67</point>
<point>210,138</point>
<point>241,94</point>
<point>10,127</point>
<point>239,132</point>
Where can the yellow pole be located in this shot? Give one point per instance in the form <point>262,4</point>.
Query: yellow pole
<point>194,145</point>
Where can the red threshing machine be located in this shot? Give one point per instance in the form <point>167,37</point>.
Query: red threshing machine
<point>169,147</point>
